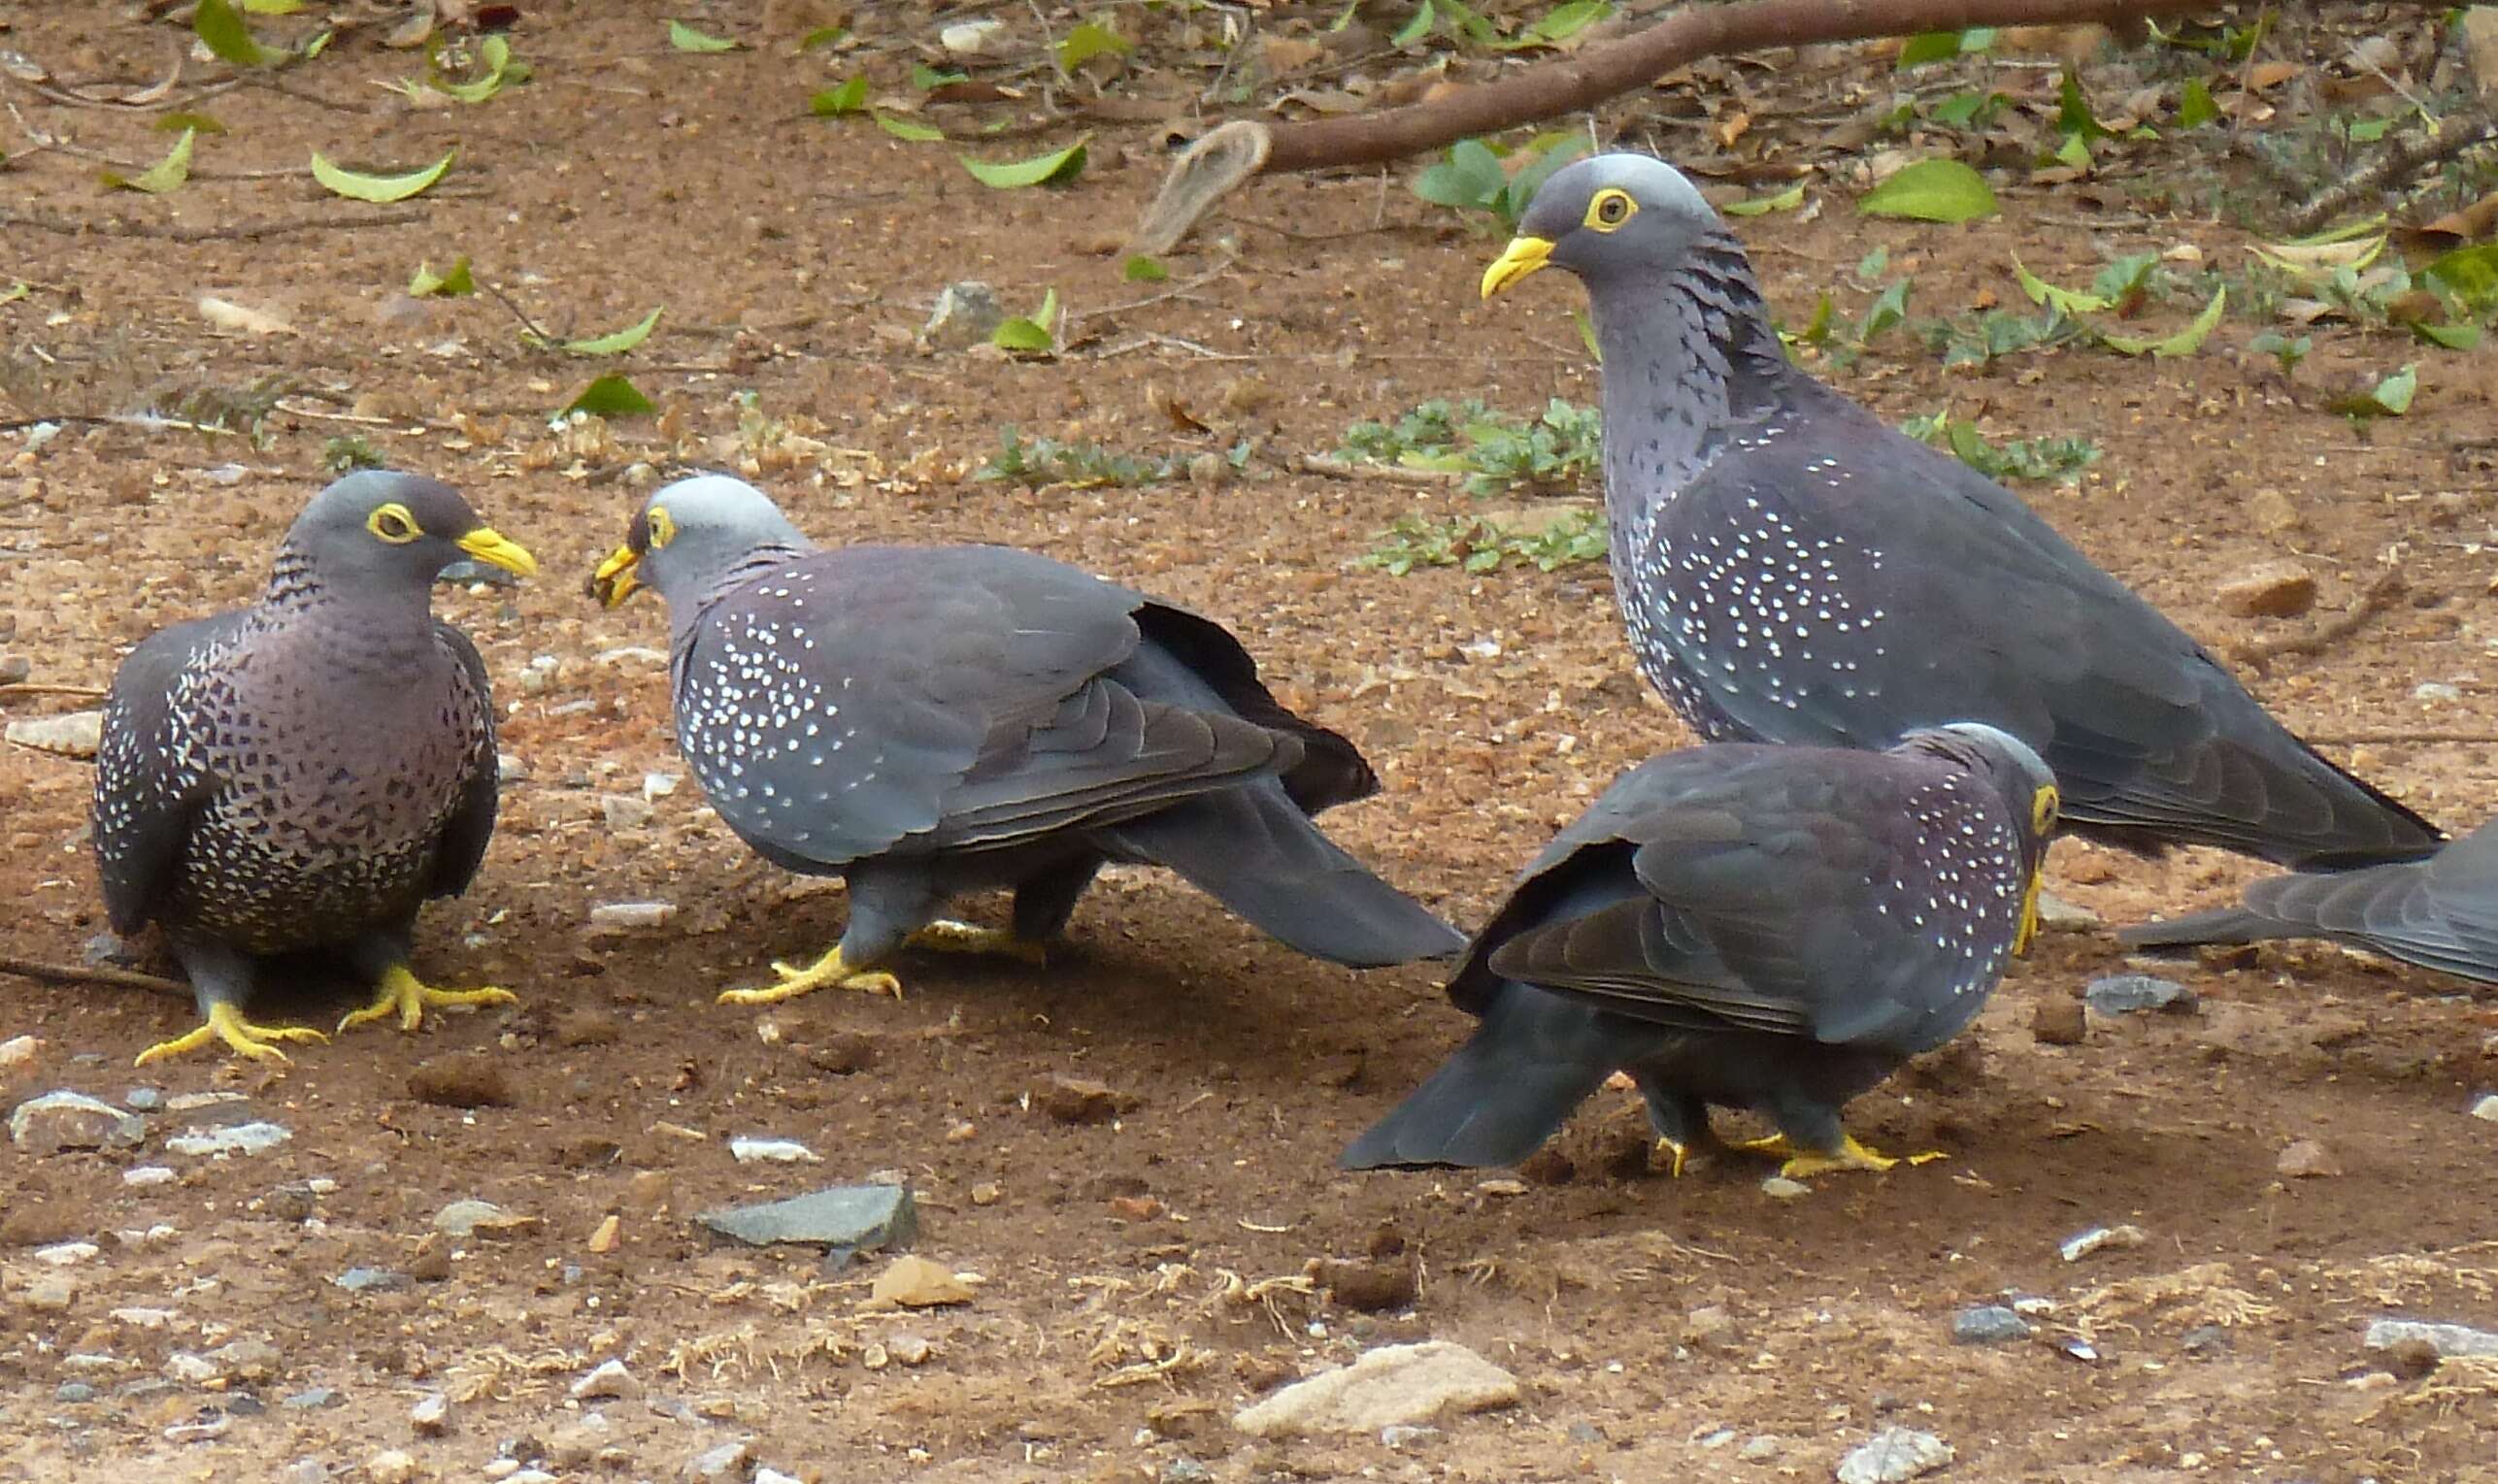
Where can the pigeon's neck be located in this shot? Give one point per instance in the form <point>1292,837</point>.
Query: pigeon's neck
<point>398,613</point>
<point>685,619</point>
<point>1691,361</point>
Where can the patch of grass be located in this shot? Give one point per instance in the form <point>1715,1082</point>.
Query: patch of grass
<point>1037,462</point>
<point>1478,545</point>
<point>1551,454</point>
<point>1976,340</point>
<point>2038,459</point>
<point>340,455</point>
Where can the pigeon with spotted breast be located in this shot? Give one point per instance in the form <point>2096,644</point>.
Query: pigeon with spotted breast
<point>302,773</point>
<point>1792,569</point>
<point>1741,925</point>
<point>931,721</point>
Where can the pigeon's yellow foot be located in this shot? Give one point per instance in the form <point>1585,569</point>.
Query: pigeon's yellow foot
<point>1850,1155</point>
<point>828,971</point>
<point>406,996</point>
<point>1676,1154</point>
<point>947,935</point>
<point>1775,1146</point>
<point>225,1023</point>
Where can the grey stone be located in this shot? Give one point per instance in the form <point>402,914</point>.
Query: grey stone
<point>858,1217</point>
<point>1399,1435</point>
<point>77,733</point>
<point>609,1378</point>
<point>314,1400</point>
<point>72,1120</point>
<point>1584,1432</point>
<point>2082,1244</point>
<point>1988,1324</point>
<point>144,1100</point>
<point>2132,994</point>
<point>725,1462</point>
<point>1392,1385</point>
<point>623,811</point>
<point>2205,1340</point>
<point>630,916</point>
<point>2448,1340</point>
<point>461,1219</point>
<point>74,1392</point>
<point>257,1138</point>
<point>356,1280</point>
<point>1758,1450</point>
<point>1187,1471</point>
<point>967,315</point>
<point>431,1413</point>
<point>1894,1455</point>
<point>2485,1108</point>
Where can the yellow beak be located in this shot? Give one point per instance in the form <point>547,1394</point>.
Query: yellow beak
<point>614,582</point>
<point>1523,256</point>
<point>492,547</point>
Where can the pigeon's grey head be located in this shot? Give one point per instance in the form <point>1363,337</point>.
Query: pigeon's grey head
<point>688,534</point>
<point>380,530</point>
<point>1606,218</point>
<point>2009,764</point>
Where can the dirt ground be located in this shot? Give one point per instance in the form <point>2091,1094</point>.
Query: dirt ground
<point>1139,1279</point>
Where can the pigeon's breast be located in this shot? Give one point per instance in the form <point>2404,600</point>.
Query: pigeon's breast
<point>1957,897</point>
<point>767,723</point>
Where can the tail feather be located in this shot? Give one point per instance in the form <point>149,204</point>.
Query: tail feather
<point>1535,1059</point>
<point>1251,849</point>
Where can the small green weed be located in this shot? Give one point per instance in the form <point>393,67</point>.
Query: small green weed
<point>1478,545</point>
<point>1037,462</point>
<point>339,455</point>
<point>1495,450</point>
<point>2061,459</point>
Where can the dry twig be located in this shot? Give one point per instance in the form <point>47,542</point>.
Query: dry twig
<point>82,973</point>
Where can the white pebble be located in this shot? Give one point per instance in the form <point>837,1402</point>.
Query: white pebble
<point>67,1253</point>
<point>609,1379</point>
<point>148,1174</point>
<point>776,1151</point>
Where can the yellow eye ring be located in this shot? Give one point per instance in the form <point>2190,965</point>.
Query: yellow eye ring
<point>392,523</point>
<point>1612,207</point>
<point>662,525</point>
<point>2043,809</point>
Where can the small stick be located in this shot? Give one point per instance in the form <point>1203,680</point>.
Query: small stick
<point>2460,132</point>
<point>2379,597</point>
<point>247,231</point>
<point>80,973</point>
<point>40,688</point>
<point>1392,473</point>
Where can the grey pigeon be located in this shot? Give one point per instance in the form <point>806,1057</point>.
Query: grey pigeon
<point>1771,928</point>
<point>1793,570</point>
<point>304,773</point>
<point>2440,913</point>
<point>930,720</point>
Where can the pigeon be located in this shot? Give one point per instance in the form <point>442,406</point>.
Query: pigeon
<point>1743,925</point>
<point>931,721</point>
<point>2440,913</point>
<point>1792,569</point>
<point>303,774</point>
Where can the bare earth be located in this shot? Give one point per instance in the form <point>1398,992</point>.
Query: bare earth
<point>1141,1278</point>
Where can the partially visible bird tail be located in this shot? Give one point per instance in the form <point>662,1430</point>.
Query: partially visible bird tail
<point>1500,1096</point>
<point>2222,925</point>
<point>1254,851</point>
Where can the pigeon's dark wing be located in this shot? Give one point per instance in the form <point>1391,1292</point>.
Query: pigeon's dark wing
<point>461,848</point>
<point>1211,667</point>
<point>146,792</point>
<point>1954,601</point>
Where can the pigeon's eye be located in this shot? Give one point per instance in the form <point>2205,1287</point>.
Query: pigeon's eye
<point>1611,209</point>
<point>393,524</point>
<point>664,527</point>
<point>2043,805</point>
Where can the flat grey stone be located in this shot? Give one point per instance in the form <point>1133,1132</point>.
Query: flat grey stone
<point>72,1120</point>
<point>1390,1386</point>
<point>356,1280</point>
<point>858,1217</point>
<point>75,734</point>
<point>1893,1455</point>
<point>234,1138</point>
<point>2448,1340</point>
<point>1988,1324</point>
<point>967,315</point>
<point>2133,994</point>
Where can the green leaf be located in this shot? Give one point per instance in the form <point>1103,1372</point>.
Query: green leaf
<point>1787,200</point>
<point>1888,308</point>
<point>495,54</point>
<point>908,129</point>
<point>1564,22</point>
<point>2453,337</point>
<point>2194,105</point>
<point>1470,177</point>
<point>167,173</point>
<point>833,102</point>
<point>2470,274</point>
<point>1090,40</point>
<point>182,119</point>
<point>1519,191</point>
<point>13,293</point>
<point>273,7</point>
<point>2073,116</point>
<point>1587,334</point>
<point>449,283</point>
<point>1927,48</point>
<point>2388,398</point>
<point>2184,342</point>
<point>1141,269</point>
<point>1030,337</point>
<point>2064,301</point>
<point>1817,330</point>
<point>823,35</point>
<point>928,79</point>
<point>1970,110</point>
<point>2075,151</point>
<point>1941,190</point>
<point>2368,131</point>
<point>610,396</point>
<point>618,343</point>
<point>1058,167</point>
<point>381,190</point>
<point>1418,28</point>
<point>685,38</point>
<point>222,28</point>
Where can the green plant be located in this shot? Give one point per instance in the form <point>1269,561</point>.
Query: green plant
<point>1037,462</point>
<point>2061,459</point>
<point>1966,340</point>
<point>2281,347</point>
<point>1473,179</point>
<point>1478,545</point>
<point>350,452</point>
<point>1495,450</point>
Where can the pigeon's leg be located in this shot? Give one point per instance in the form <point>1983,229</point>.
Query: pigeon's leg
<point>397,991</point>
<point>1681,1122</point>
<point>1813,1141</point>
<point>888,904</point>
<point>944,935</point>
<point>1043,904</point>
<point>220,978</point>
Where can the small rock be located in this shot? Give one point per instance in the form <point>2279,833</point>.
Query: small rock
<point>2129,993</point>
<point>2204,1339</point>
<point>609,1233</point>
<point>968,313</point>
<point>725,1462</point>
<point>1399,1435</point>
<point>2269,590</point>
<point>1180,1470</point>
<point>143,1100</point>
<point>72,1120</point>
<point>470,1080</point>
<point>1778,1187</point>
<point>764,1475</point>
<point>750,1150</point>
<point>1076,1100</point>
<point>390,1465</point>
<point>257,1137</point>
<point>2436,691</point>
<point>2485,1108</point>
<point>312,1401</point>
<point>2057,915</point>
<point>77,733</point>
<point>860,1217</point>
<point>2271,511</point>
<point>192,1103</point>
<point>2058,1020</point>
<point>971,38</point>
<point>148,1174</point>
<point>431,1414</point>
<point>356,1280</point>
<point>990,1192</point>
<point>610,1379</point>
<point>631,916</point>
<point>908,1349</point>
<point>1707,1324</point>
<point>2308,1159</point>
<point>463,1219</point>
<point>66,1254</point>
<point>1988,1324</point>
<point>633,654</point>
<point>51,1293</point>
<point>1757,1450</point>
<point>660,785</point>
<point>142,1318</point>
<point>19,1051</point>
<point>916,1283</point>
<point>2082,1245</point>
<point>72,1393</point>
<point>1894,1455</point>
<point>1390,1386</point>
<point>198,1432</point>
<point>623,811</point>
<point>2447,1341</point>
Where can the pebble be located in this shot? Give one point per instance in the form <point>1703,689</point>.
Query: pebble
<point>1757,1450</point>
<point>1385,1387</point>
<point>1180,1470</point>
<point>750,1150</point>
<point>184,1366</point>
<point>639,654</point>
<point>2308,1159</point>
<point>908,1349</point>
<point>2447,1341</point>
<point>2080,1246</point>
<point>2269,590</point>
<point>609,1378</point>
<point>148,1174</point>
<point>1079,1100</point>
<point>768,1475</point>
<point>257,1137</point>
<point>142,1318</point>
<point>390,1465</point>
<point>2436,691</point>
<point>2130,994</point>
<point>72,1120</point>
<point>1778,1187</point>
<point>314,1400</point>
<point>631,916</point>
<point>1988,1324</point>
<point>198,1432</point>
<point>66,1254</point>
<point>356,1280</point>
<point>1894,1455</point>
<point>51,1293</point>
<point>431,1414</point>
<point>725,1462</point>
<point>20,1051</point>
<point>73,1391</point>
<point>1399,1435</point>
<point>75,734</point>
<point>185,1103</point>
<point>143,1100</point>
<point>858,1218</point>
<point>2058,1020</point>
<point>660,785</point>
<point>916,1283</point>
<point>2486,1107</point>
<point>624,811</point>
<point>968,313</point>
<point>462,1219</point>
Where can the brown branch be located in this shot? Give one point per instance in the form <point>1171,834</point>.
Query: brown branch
<point>2460,132</point>
<point>242,231</point>
<point>42,688</point>
<point>2258,654</point>
<point>80,973</point>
